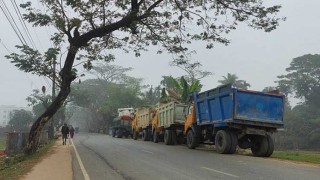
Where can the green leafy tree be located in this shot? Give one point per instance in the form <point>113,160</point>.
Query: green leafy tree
<point>233,80</point>
<point>152,95</point>
<point>302,78</point>
<point>302,81</point>
<point>21,120</point>
<point>103,98</point>
<point>94,28</point>
<point>109,73</point>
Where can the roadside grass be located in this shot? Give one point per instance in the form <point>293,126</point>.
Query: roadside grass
<point>14,167</point>
<point>2,142</point>
<point>301,156</point>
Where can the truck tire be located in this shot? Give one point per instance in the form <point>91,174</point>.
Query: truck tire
<point>155,137</point>
<point>174,137</point>
<point>113,132</point>
<point>135,135</point>
<point>145,135</point>
<point>259,146</point>
<point>167,137</point>
<point>234,142</point>
<point>223,142</point>
<point>192,141</point>
<point>180,139</point>
<point>244,143</point>
<point>270,146</point>
<point>119,133</point>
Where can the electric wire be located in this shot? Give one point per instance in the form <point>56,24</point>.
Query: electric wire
<point>16,8</point>
<point>5,46</point>
<point>4,12</point>
<point>14,22</point>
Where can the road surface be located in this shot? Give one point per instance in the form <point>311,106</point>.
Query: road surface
<point>104,157</point>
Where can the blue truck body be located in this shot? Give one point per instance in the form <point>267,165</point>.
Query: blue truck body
<point>225,106</point>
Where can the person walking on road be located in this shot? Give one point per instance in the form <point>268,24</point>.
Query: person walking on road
<point>71,130</point>
<point>65,132</point>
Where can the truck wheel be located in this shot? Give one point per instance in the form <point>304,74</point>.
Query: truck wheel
<point>155,137</point>
<point>223,142</point>
<point>134,136</point>
<point>180,138</point>
<point>174,137</point>
<point>167,137</point>
<point>244,143</point>
<point>234,142</point>
<point>119,133</point>
<point>259,146</point>
<point>113,133</point>
<point>192,141</point>
<point>270,146</point>
<point>145,135</point>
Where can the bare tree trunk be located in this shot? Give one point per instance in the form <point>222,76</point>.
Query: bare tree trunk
<point>67,77</point>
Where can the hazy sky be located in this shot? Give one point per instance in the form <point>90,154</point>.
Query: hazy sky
<point>255,56</point>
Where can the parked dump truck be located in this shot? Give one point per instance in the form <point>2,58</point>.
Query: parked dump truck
<point>121,125</point>
<point>168,123</point>
<point>230,117</point>
<point>141,124</point>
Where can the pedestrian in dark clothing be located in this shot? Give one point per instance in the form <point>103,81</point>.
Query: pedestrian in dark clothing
<point>65,132</point>
<point>71,130</point>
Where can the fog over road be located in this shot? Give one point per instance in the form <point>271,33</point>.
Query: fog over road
<point>105,157</point>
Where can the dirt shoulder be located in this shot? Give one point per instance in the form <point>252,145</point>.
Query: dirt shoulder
<point>57,165</point>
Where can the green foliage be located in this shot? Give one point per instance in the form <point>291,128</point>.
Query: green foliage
<point>302,156</point>
<point>32,61</point>
<point>178,89</point>
<point>233,80</point>
<point>164,23</point>
<point>302,78</point>
<point>21,119</point>
<point>111,90</point>
<point>269,88</point>
<point>13,167</point>
<point>152,96</point>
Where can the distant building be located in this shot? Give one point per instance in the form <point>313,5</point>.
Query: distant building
<point>6,113</point>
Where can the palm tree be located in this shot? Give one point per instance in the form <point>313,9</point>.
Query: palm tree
<point>233,80</point>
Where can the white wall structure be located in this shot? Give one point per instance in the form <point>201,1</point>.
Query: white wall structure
<point>6,113</point>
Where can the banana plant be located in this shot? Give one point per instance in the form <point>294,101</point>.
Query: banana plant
<point>178,89</point>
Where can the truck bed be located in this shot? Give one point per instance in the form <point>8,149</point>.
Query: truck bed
<point>224,105</point>
<point>171,113</point>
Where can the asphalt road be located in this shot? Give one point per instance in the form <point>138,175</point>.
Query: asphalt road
<point>105,157</point>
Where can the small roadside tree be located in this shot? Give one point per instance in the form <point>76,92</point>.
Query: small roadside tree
<point>21,120</point>
<point>94,28</point>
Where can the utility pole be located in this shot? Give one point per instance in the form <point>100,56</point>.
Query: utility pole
<point>52,130</point>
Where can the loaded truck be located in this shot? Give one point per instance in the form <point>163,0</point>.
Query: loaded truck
<point>168,123</point>
<point>228,117</point>
<point>121,125</point>
<point>141,123</point>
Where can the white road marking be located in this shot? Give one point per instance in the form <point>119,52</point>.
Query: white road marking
<point>147,151</point>
<point>83,170</point>
<point>228,174</point>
